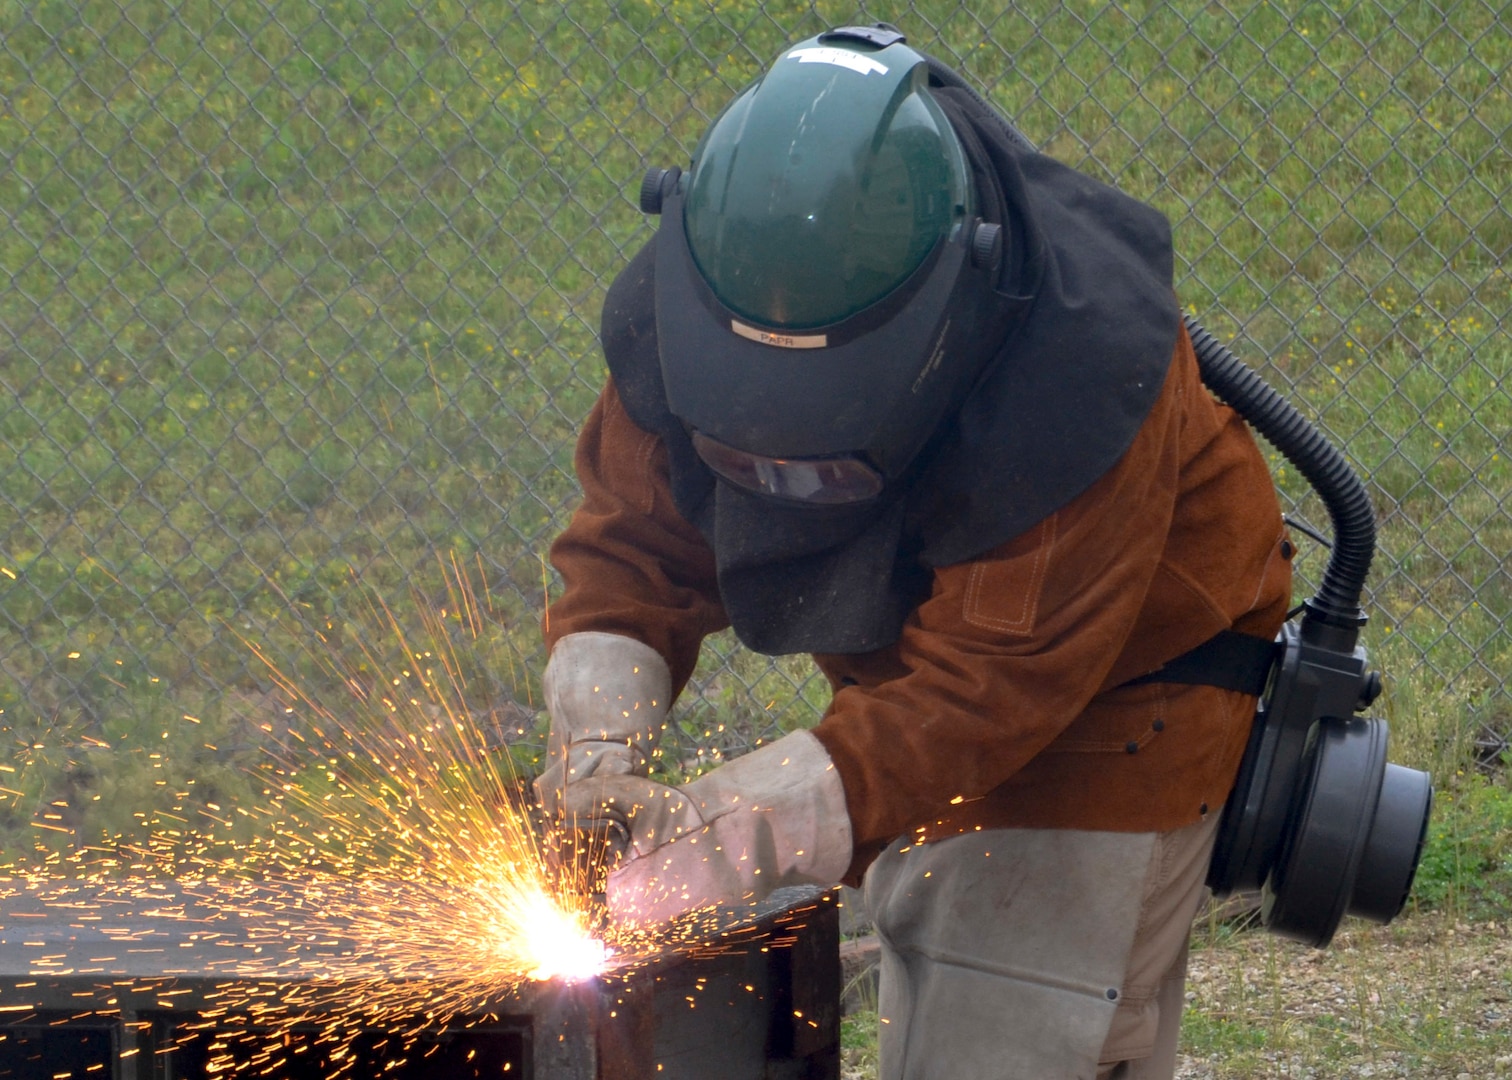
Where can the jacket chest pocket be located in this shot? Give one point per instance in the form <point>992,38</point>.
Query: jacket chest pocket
<point>1003,594</point>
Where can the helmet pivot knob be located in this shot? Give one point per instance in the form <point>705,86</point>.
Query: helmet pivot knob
<point>986,245</point>
<point>651,190</point>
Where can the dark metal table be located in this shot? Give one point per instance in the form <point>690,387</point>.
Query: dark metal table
<point>145,995</point>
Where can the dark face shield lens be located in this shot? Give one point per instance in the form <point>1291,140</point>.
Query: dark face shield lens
<point>821,481</point>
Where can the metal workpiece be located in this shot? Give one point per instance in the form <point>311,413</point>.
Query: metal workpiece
<point>160,991</point>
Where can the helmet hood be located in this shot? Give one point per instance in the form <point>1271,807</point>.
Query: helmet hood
<point>1074,327</point>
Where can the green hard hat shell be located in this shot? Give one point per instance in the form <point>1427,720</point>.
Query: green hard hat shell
<point>803,224</point>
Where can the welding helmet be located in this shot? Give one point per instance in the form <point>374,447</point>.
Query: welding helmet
<point>822,275</point>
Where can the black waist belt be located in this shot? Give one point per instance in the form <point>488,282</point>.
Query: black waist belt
<point>1228,660</point>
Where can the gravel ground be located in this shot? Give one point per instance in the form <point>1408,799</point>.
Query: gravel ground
<point>1427,998</point>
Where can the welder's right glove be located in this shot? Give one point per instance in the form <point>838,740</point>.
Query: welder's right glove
<point>608,696</point>
<point>772,818</point>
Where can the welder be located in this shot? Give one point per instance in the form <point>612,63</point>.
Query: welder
<point>890,388</point>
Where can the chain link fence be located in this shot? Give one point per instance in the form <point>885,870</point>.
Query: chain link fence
<point>298,305</point>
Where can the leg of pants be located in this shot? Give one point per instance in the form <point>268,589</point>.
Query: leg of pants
<point>1169,1002</point>
<point>1142,1042</point>
<point>1008,954</point>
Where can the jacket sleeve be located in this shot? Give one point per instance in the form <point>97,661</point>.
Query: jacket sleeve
<point>630,563</point>
<point>1008,649</point>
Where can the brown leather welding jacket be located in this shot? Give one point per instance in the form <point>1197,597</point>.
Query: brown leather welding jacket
<point>1003,702</point>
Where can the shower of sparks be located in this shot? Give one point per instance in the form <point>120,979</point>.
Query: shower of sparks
<point>398,791</point>
<point>399,876</point>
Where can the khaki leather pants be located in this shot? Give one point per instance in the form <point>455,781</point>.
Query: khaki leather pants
<point>1035,954</point>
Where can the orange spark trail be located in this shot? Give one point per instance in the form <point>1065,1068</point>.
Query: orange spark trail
<point>400,869</point>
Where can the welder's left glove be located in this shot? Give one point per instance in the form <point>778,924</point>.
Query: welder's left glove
<point>772,818</point>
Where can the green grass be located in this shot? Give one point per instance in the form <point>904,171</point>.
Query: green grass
<point>1467,861</point>
<point>300,296</point>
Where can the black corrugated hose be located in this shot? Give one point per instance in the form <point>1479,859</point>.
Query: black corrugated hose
<point>1337,603</point>
<point>1332,617</point>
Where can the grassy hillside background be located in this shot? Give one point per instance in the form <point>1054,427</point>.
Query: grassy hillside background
<point>298,305</point>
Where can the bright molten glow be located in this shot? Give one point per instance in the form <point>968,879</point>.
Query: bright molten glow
<point>558,942</point>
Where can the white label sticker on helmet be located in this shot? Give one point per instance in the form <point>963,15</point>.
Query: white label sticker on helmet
<point>864,65</point>
<point>782,341</point>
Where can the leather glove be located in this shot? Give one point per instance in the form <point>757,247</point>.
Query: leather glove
<point>608,697</point>
<point>772,818</point>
